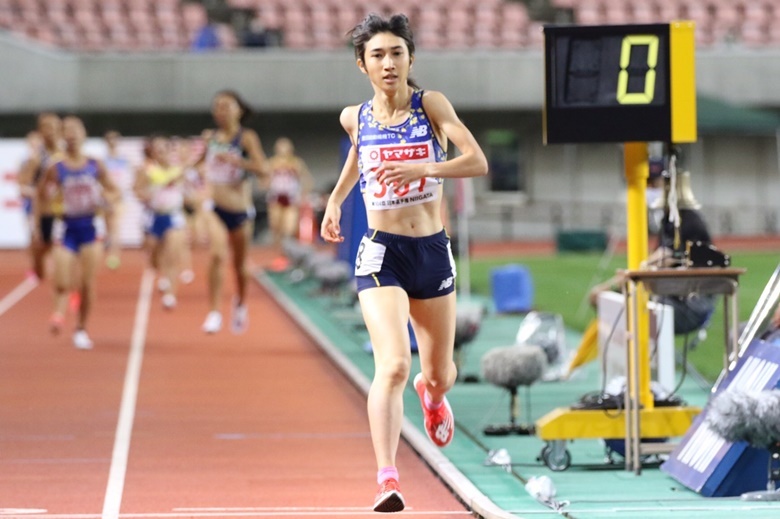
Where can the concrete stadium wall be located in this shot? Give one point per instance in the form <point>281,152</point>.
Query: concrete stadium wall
<point>283,80</point>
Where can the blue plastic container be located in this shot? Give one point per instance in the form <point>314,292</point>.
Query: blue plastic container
<point>513,290</point>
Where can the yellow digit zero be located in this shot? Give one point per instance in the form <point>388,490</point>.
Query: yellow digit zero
<point>637,98</point>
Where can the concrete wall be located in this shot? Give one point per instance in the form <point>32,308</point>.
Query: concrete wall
<point>283,80</point>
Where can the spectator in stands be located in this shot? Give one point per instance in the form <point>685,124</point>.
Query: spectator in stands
<point>49,131</point>
<point>232,153</point>
<point>85,186</point>
<point>255,34</point>
<point>207,38</point>
<point>404,268</point>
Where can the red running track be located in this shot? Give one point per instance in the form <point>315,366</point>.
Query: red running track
<point>161,421</point>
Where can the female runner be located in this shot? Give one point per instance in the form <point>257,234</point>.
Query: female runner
<point>84,185</point>
<point>404,267</point>
<point>232,153</point>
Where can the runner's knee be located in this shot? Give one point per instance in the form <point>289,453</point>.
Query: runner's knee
<point>394,371</point>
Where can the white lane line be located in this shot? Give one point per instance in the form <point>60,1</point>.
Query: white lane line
<point>18,293</point>
<point>124,427</point>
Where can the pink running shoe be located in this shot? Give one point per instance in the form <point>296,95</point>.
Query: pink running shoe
<point>439,423</point>
<point>388,498</point>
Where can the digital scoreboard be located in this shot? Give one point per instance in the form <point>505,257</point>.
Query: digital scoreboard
<point>620,83</point>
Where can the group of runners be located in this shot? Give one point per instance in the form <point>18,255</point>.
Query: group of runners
<point>188,188</point>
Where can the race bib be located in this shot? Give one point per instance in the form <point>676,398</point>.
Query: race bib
<point>222,172</point>
<point>369,258</point>
<point>380,196</point>
<point>167,199</point>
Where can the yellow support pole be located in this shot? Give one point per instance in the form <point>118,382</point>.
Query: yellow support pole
<point>637,171</point>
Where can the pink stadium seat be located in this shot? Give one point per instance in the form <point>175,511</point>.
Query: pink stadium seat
<point>429,39</point>
<point>118,37</point>
<point>296,38</point>
<point>326,39</point>
<point>295,18</point>
<point>138,4</point>
<point>515,14</point>
<point>242,4</point>
<point>140,19</point>
<point>645,12</point>
<point>430,19</point>
<point>30,13</point>
<point>669,10</point>
<point>322,17</point>
<point>485,16</point>
<point>87,19</point>
<point>703,36</point>
<point>93,40</point>
<point>346,18</point>
<point>193,15</point>
<point>535,35</point>
<point>458,19</point>
<point>58,15</point>
<point>485,37</point>
<point>114,5</point>
<point>617,13</point>
<point>753,35</point>
<point>167,18</point>
<point>170,38</point>
<point>757,12</point>
<point>271,19</point>
<point>458,40</point>
<point>69,37</point>
<point>512,38</point>
<point>773,34</point>
<point>114,19</point>
<point>590,12</point>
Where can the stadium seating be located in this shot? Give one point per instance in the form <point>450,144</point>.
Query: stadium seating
<point>748,23</point>
<point>138,25</point>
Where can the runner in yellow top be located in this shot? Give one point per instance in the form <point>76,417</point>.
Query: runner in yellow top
<point>160,186</point>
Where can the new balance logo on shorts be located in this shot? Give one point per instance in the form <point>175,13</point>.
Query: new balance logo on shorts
<point>447,283</point>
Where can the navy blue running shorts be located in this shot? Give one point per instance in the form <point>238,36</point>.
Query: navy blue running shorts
<point>233,220</point>
<point>77,231</point>
<point>423,266</point>
<point>163,222</point>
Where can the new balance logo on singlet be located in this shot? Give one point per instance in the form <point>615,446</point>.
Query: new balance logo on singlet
<point>419,131</point>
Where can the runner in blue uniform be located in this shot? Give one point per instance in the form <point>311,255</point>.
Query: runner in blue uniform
<point>404,266</point>
<point>233,152</point>
<point>84,186</point>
